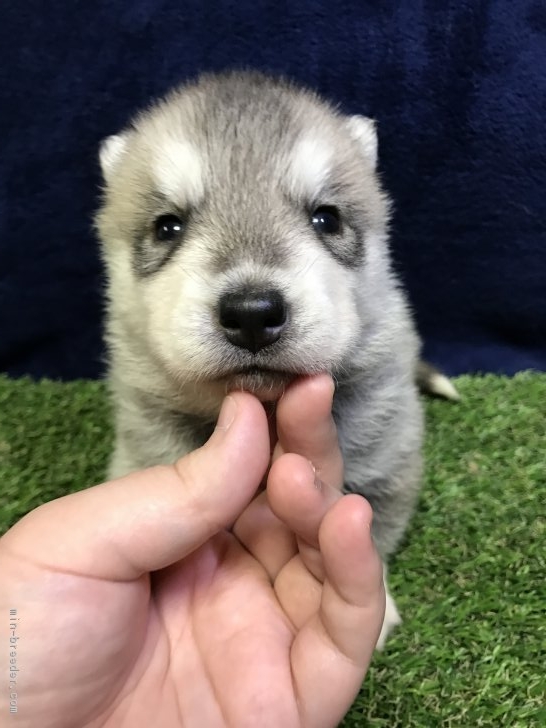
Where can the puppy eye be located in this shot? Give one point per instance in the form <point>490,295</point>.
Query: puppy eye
<point>326,220</point>
<point>168,228</point>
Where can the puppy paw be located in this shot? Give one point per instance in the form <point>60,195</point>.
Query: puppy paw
<point>392,619</point>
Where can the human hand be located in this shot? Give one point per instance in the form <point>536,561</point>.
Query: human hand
<point>137,606</point>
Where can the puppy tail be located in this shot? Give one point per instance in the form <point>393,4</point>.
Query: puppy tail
<point>431,381</point>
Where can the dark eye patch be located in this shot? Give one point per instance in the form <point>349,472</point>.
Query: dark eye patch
<point>157,236</point>
<point>339,227</point>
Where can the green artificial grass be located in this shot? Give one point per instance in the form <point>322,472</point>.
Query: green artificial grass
<point>469,580</point>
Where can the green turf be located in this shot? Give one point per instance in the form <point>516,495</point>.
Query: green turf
<point>469,581</point>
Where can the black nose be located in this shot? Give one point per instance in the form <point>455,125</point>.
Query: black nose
<point>252,319</point>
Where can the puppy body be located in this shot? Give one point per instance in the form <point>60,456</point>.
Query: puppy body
<point>234,193</point>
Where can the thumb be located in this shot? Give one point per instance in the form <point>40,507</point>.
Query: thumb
<point>150,519</point>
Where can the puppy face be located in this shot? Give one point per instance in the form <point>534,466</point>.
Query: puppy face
<point>243,229</point>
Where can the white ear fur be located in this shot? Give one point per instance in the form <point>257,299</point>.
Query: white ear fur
<point>110,152</point>
<point>363,130</point>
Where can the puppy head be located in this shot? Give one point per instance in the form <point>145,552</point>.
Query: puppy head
<point>243,230</point>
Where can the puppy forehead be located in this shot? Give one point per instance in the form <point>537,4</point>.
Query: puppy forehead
<point>177,168</point>
<point>310,165</point>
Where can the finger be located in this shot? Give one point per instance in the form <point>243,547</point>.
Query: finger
<point>293,506</point>
<point>265,536</point>
<point>331,653</point>
<point>305,426</point>
<point>298,496</point>
<point>152,518</point>
<point>300,500</point>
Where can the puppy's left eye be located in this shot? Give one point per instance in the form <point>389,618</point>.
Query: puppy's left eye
<point>168,228</point>
<point>326,220</point>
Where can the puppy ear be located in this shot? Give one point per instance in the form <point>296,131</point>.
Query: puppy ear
<point>363,130</point>
<point>110,152</point>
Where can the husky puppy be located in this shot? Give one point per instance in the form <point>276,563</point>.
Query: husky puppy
<point>244,232</point>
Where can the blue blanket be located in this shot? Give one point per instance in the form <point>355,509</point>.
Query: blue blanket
<point>459,92</point>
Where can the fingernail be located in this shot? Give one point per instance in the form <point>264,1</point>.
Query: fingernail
<point>227,414</point>
<point>316,480</point>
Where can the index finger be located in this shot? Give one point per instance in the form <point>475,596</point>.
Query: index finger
<point>305,426</point>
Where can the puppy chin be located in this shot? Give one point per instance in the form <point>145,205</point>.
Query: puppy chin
<point>266,385</point>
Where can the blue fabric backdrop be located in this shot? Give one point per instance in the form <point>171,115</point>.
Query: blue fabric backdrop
<point>458,88</point>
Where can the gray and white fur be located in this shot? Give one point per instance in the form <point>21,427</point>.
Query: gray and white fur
<point>245,236</point>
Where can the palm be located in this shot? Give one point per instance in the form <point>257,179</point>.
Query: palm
<point>219,620</point>
<point>215,621</point>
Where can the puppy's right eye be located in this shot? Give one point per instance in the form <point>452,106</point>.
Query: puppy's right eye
<point>168,228</point>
